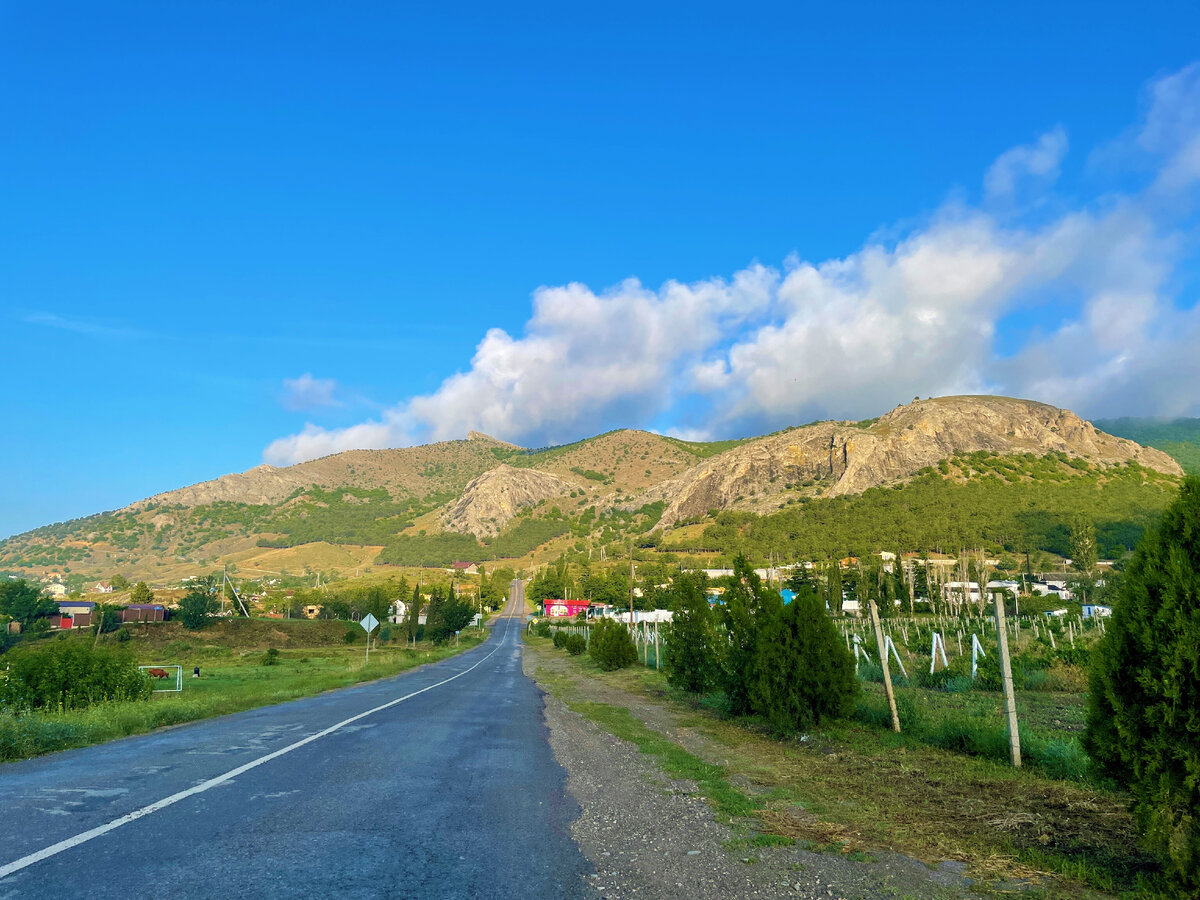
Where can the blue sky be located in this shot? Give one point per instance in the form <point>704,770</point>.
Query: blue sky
<point>230,234</point>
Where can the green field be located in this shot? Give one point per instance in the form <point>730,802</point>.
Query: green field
<point>312,657</point>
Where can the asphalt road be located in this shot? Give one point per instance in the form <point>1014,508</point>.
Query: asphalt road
<point>449,792</point>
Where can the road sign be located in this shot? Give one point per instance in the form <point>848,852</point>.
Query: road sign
<point>368,622</point>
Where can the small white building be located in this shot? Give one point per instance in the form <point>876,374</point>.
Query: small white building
<point>54,589</point>
<point>640,615</point>
<point>960,591</point>
<point>1096,610</point>
<point>1046,588</point>
<point>398,612</point>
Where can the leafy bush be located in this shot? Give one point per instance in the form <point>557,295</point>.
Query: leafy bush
<point>560,639</point>
<point>1143,725</point>
<point>271,657</point>
<point>576,644</point>
<point>196,609</point>
<point>542,629</point>
<point>351,635</point>
<point>611,646</point>
<point>123,635</point>
<point>70,675</point>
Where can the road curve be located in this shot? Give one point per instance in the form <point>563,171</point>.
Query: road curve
<point>435,783</point>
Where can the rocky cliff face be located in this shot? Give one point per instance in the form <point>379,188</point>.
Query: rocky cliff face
<point>262,484</point>
<point>848,458</point>
<point>492,500</point>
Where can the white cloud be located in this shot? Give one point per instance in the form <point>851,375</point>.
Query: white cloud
<point>306,393</point>
<point>314,441</point>
<point>1038,161</point>
<point>929,313</point>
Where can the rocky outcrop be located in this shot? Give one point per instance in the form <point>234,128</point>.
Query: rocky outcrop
<point>262,484</point>
<point>922,433</point>
<point>492,500</point>
<point>848,458</point>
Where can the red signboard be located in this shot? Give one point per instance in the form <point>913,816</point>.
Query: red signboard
<point>565,609</point>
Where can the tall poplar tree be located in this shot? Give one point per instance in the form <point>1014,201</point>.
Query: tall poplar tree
<point>414,611</point>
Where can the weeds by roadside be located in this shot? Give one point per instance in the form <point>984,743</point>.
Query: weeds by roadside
<point>855,788</point>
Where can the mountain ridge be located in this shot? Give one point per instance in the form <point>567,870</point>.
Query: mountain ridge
<point>483,488</point>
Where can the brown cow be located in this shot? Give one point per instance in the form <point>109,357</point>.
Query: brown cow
<point>157,673</point>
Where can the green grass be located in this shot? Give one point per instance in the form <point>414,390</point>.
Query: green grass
<point>705,449</point>
<point>231,681</point>
<point>854,787</point>
<point>671,758</point>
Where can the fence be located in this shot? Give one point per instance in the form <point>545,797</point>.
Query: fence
<point>913,635</point>
<point>648,638</point>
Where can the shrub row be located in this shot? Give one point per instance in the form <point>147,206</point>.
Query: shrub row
<point>70,675</point>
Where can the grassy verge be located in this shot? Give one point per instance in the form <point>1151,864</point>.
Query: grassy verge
<point>855,787</point>
<point>232,680</point>
<point>675,761</point>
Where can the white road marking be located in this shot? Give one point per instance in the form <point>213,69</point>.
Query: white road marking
<point>83,837</point>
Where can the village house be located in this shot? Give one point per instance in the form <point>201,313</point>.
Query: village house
<point>75,613</point>
<point>399,610</point>
<point>144,612</point>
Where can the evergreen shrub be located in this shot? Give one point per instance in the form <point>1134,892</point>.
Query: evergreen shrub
<point>802,671</point>
<point>691,657</point>
<point>611,646</point>
<point>1143,727</point>
<point>560,639</point>
<point>576,644</point>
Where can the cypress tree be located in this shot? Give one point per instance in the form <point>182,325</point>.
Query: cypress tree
<point>740,619</point>
<point>611,646</point>
<point>1143,724</point>
<point>691,655</point>
<point>414,611</point>
<point>835,588</point>
<point>433,616</point>
<point>803,673</point>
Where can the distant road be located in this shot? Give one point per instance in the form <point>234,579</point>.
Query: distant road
<point>435,783</point>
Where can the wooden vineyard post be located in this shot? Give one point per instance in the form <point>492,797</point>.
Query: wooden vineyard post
<point>1010,698</point>
<point>883,660</point>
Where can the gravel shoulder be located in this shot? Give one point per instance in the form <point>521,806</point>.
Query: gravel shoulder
<point>650,835</point>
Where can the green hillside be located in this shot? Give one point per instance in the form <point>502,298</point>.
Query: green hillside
<point>1005,504</point>
<point>1178,438</point>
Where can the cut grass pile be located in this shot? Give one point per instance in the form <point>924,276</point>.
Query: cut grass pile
<point>232,680</point>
